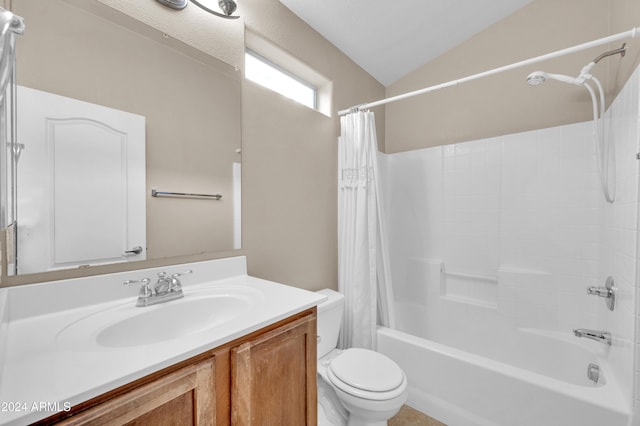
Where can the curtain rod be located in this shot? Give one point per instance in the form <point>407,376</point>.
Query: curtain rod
<point>634,32</point>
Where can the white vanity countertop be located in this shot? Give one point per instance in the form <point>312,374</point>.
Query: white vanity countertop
<point>45,369</point>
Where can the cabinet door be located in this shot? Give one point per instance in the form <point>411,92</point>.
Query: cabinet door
<point>184,397</point>
<point>273,377</point>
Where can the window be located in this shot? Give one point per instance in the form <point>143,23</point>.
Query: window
<point>271,76</point>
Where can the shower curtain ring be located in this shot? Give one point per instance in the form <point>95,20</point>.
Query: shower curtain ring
<point>358,108</point>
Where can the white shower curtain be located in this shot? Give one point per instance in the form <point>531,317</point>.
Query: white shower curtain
<point>363,273</point>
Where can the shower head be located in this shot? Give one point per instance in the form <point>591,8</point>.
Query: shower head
<point>538,77</point>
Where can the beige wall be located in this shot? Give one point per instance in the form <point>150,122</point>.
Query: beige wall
<point>625,14</point>
<point>290,157</point>
<point>504,103</point>
<point>220,38</point>
<point>289,152</point>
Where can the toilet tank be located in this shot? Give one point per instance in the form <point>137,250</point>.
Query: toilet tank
<point>329,321</point>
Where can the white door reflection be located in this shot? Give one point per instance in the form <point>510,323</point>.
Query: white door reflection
<point>67,221</point>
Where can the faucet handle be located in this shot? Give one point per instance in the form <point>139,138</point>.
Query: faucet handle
<point>179,274</point>
<point>600,291</point>
<point>608,292</point>
<point>176,285</point>
<point>145,290</point>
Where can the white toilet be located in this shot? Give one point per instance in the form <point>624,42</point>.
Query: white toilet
<point>369,385</point>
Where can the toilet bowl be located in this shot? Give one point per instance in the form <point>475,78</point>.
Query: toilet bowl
<point>370,386</point>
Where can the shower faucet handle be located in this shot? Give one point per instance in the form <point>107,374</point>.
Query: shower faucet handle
<point>600,291</point>
<point>608,292</point>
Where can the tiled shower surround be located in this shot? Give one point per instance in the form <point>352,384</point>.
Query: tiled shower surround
<point>494,236</point>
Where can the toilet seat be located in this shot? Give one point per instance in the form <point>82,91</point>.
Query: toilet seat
<point>367,374</point>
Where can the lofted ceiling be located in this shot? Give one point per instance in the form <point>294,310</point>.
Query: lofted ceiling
<point>389,39</point>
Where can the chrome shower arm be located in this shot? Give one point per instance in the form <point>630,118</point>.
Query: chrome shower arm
<point>622,51</point>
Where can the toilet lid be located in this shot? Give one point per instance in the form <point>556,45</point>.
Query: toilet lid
<point>367,370</point>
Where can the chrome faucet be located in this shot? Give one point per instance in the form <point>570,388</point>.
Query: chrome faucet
<point>597,335</point>
<point>163,285</point>
<point>165,289</point>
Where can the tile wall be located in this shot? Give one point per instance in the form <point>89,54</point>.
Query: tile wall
<point>520,225</point>
<point>619,235</point>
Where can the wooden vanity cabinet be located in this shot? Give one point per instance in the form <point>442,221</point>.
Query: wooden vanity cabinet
<point>273,377</point>
<point>183,397</point>
<point>265,378</point>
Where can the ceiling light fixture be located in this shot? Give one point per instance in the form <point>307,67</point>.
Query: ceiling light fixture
<point>226,6</point>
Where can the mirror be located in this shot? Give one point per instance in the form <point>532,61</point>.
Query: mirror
<point>190,103</point>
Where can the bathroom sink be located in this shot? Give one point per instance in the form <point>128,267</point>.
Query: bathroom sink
<point>126,325</point>
<point>173,320</point>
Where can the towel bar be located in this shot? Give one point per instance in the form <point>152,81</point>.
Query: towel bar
<point>155,193</point>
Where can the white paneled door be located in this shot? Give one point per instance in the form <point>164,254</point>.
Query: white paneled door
<point>81,183</point>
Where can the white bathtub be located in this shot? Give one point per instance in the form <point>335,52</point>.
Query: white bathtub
<point>460,388</point>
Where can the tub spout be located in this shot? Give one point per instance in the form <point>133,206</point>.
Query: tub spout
<point>597,335</point>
